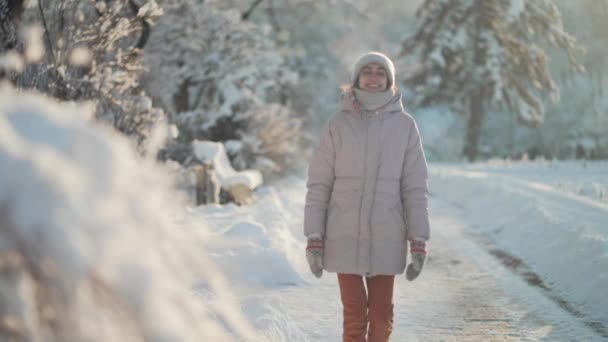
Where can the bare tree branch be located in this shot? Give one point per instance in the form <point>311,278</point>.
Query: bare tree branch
<point>145,27</point>
<point>248,13</point>
<point>46,32</point>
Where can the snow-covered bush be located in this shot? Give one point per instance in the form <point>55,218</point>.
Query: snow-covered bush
<point>87,50</point>
<point>218,76</point>
<point>89,249</point>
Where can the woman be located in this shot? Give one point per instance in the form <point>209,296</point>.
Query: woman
<point>366,179</point>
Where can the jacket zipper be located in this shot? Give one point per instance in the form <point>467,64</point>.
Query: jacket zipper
<point>378,162</point>
<point>365,120</point>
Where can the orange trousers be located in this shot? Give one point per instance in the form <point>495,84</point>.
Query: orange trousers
<point>360,307</point>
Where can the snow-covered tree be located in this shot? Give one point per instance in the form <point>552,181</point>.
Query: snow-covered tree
<point>478,55</point>
<point>10,14</point>
<point>222,78</point>
<point>324,38</point>
<point>589,18</point>
<point>85,50</point>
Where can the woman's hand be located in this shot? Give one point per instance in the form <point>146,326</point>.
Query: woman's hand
<point>418,251</point>
<point>314,254</point>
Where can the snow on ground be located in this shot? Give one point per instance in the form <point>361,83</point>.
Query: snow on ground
<point>584,178</point>
<point>261,252</point>
<point>560,235</point>
<point>464,294</point>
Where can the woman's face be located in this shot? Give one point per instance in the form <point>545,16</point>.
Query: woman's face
<point>373,78</point>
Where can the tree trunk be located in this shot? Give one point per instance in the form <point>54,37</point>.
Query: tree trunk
<point>181,100</point>
<point>477,98</point>
<point>474,124</point>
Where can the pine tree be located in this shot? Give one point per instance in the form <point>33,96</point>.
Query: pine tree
<point>479,55</point>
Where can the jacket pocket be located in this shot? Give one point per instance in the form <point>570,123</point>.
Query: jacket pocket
<point>343,214</point>
<point>388,220</point>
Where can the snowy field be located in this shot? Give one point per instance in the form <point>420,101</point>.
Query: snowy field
<point>519,251</point>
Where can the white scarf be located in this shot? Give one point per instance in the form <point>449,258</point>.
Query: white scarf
<point>372,101</point>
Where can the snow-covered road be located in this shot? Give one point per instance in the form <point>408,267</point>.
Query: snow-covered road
<point>464,294</point>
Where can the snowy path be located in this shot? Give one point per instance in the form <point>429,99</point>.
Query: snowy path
<point>464,293</point>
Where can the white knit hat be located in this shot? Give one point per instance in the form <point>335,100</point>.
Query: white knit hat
<point>375,57</point>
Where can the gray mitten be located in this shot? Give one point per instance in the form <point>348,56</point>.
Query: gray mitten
<point>314,255</point>
<point>418,251</point>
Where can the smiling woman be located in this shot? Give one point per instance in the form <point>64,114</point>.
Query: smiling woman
<point>373,81</point>
<point>376,69</point>
<point>373,78</point>
<point>367,198</point>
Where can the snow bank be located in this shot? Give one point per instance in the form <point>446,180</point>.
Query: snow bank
<point>249,252</point>
<point>260,249</point>
<point>250,257</point>
<point>576,177</point>
<point>89,246</point>
<point>560,235</point>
